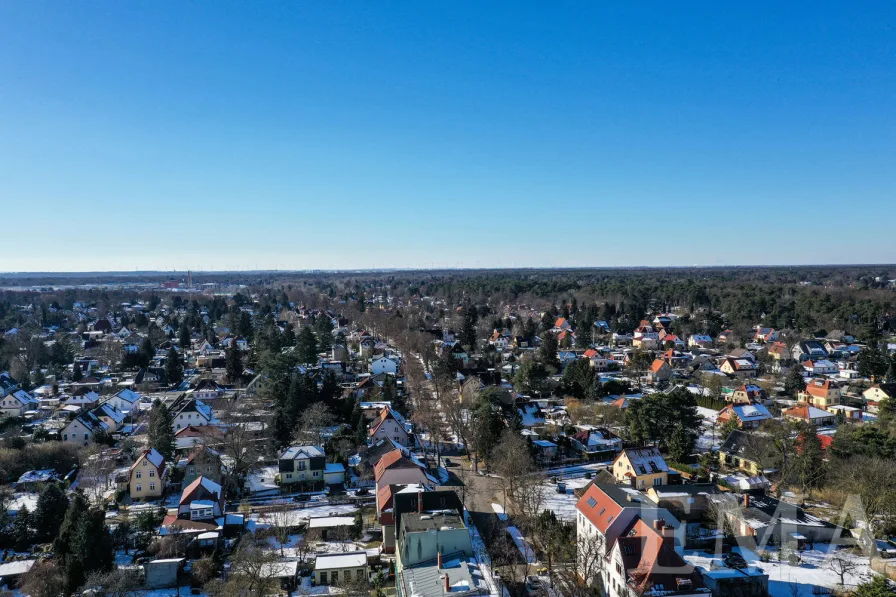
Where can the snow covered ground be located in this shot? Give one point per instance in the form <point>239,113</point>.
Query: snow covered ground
<point>499,510</point>
<point>262,479</point>
<point>709,438</point>
<point>813,570</point>
<point>563,504</point>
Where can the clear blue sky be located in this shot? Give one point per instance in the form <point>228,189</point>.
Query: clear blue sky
<point>218,135</point>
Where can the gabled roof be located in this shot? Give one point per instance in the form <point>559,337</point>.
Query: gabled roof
<point>657,365</point>
<point>153,456</point>
<point>203,482</point>
<point>386,414</point>
<point>598,507</point>
<point>819,387</point>
<point>294,452</point>
<point>128,396</point>
<point>651,562</point>
<point>107,410</point>
<point>807,412</point>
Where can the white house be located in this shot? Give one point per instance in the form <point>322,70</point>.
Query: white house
<point>383,365</point>
<point>821,367</point>
<point>83,429</point>
<point>389,425</point>
<point>126,401</point>
<point>193,412</point>
<point>17,403</point>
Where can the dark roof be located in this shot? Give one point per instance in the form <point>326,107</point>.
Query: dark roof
<point>766,509</point>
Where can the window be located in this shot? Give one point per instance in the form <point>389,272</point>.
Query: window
<point>316,473</point>
<point>602,510</point>
<point>139,488</point>
<point>65,437</point>
<point>139,474</point>
<point>86,436</point>
<point>335,576</point>
<point>152,486</point>
<point>658,481</point>
<point>289,475</point>
<point>192,469</point>
<point>592,502</point>
<point>359,574</point>
<point>323,578</point>
<point>301,465</point>
<point>152,473</point>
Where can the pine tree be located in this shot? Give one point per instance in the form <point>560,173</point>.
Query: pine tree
<point>174,367</point>
<point>234,363</point>
<point>50,512</point>
<point>161,430</point>
<point>468,327</point>
<point>878,586</point>
<point>794,382</point>
<point>76,372</point>
<point>183,336</point>
<point>21,530</point>
<point>307,345</point>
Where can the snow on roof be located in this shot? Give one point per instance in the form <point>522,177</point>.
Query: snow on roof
<point>293,452</point>
<point>154,457</point>
<point>752,412</point>
<point>128,396</point>
<point>320,522</point>
<point>334,467</point>
<point>344,560</point>
<point>46,474</point>
<point>646,460</point>
<point>16,568</point>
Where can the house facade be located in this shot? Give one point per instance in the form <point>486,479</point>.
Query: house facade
<point>147,476</point>
<point>640,468</point>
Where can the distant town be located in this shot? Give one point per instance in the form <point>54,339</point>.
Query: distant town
<point>693,432</point>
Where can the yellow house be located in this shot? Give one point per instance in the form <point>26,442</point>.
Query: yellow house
<point>878,393</point>
<point>820,393</point>
<point>147,478</point>
<point>748,452</point>
<point>640,468</point>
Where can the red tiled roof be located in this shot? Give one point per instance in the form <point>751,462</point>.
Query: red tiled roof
<point>657,365</point>
<point>603,512</point>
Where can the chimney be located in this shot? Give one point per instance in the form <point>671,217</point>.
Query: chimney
<point>659,523</point>
<point>420,502</point>
<point>447,583</point>
<point>439,560</point>
<point>746,500</point>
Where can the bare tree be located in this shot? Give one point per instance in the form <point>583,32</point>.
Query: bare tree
<point>239,439</point>
<point>120,582</point>
<point>590,559</point>
<point>45,579</point>
<point>842,566</point>
<point>313,422</point>
<point>280,517</point>
<point>511,461</point>
<point>249,574</point>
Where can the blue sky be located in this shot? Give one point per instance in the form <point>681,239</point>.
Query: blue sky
<point>293,135</point>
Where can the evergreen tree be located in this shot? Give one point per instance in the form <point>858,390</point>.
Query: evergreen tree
<point>161,430</point>
<point>680,444</point>
<point>50,512</point>
<point>234,363</point>
<point>547,353</point>
<point>794,382</point>
<point>307,345</point>
<point>145,353</point>
<point>468,327</point>
<point>21,530</point>
<point>183,336</point>
<point>288,336</point>
<point>878,586</point>
<point>83,545</point>
<point>174,367</point>
<point>809,459</point>
<point>76,372</point>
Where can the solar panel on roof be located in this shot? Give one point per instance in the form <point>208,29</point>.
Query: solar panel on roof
<point>592,502</point>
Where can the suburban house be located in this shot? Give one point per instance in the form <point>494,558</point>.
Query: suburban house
<point>384,364</point>
<point>108,414</point>
<point>17,403</point>
<point>659,371</point>
<point>778,523</point>
<point>640,467</point>
<point>820,393</point>
<point>147,476</point>
<point>809,350</point>
<point>700,341</point>
<point>395,468</point>
<point>126,401</point>
<point>820,367</point>
<point>595,443</point>
<point>604,513</point>
<point>749,452</point>
<point>202,499</point>
<point>688,502</point>
<point>389,425</point>
<point>202,462</point>
<point>747,394</point>
<point>742,367</point>
<point>807,413</point>
<point>765,335</point>
<point>748,416</point>
<point>341,568</point>
<point>192,412</point>
<point>302,464</point>
<point>83,429</point>
<point>207,389</point>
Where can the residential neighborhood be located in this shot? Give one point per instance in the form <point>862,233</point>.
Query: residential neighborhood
<point>225,436</point>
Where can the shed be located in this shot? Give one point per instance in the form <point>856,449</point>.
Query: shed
<point>162,574</point>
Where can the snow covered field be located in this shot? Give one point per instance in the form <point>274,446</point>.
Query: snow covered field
<point>262,479</point>
<point>811,572</point>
